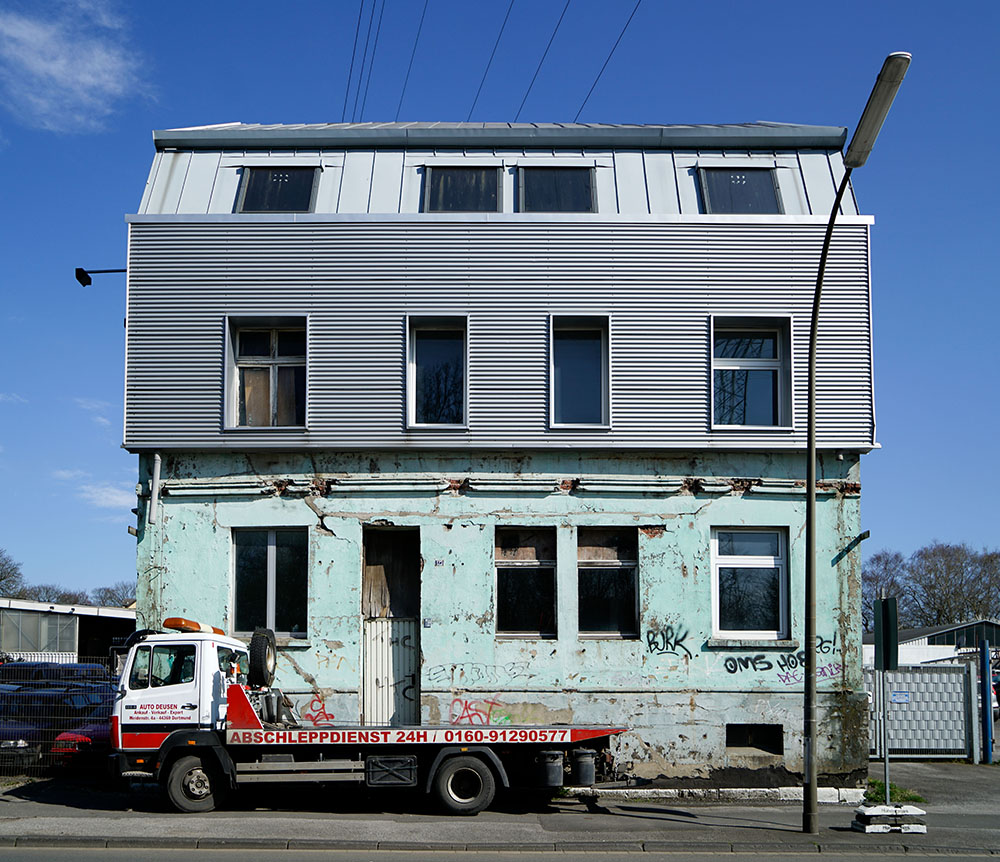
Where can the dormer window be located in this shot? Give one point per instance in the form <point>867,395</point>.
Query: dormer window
<point>739,191</point>
<point>557,190</point>
<point>277,190</point>
<point>462,190</point>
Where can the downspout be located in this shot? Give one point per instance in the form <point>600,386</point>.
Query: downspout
<point>154,489</point>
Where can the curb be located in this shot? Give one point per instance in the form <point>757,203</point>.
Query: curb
<point>830,795</point>
<point>679,847</point>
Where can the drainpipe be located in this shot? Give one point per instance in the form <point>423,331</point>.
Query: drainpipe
<point>154,489</point>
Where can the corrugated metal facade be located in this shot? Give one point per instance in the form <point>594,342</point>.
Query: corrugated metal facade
<point>356,280</point>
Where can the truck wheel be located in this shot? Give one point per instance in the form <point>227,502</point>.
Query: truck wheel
<point>193,786</point>
<point>464,785</point>
<point>263,659</point>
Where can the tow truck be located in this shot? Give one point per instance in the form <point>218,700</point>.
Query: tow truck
<point>197,711</point>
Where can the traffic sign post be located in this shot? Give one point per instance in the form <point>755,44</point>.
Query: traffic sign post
<point>886,658</point>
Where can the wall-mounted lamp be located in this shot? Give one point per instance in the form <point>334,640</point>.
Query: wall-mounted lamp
<point>84,275</point>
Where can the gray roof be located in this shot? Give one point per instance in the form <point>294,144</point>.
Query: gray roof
<point>907,635</point>
<point>767,136</point>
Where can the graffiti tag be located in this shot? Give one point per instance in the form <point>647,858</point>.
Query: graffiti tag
<point>667,640</point>
<point>474,673</point>
<point>317,713</point>
<point>736,663</point>
<point>826,671</point>
<point>489,711</point>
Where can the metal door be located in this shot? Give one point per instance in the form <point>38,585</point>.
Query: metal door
<point>390,671</point>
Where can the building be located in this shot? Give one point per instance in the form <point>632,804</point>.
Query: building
<point>500,423</point>
<point>950,643</point>
<point>46,631</point>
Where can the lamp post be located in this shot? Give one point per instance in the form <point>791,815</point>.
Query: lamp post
<point>886,85</point>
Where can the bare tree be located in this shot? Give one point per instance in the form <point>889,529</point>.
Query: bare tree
<point>117,595</point>
<point>884,574</point>
<point>54,593</point>
<point>11,577</point>
<point>946,585</point>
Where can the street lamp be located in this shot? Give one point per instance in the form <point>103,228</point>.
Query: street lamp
<point>84,275</point>
<point>886,85</point>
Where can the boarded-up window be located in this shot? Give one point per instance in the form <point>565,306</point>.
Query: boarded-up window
<point>607,560</point>
<point>391,583</point>
<point>271,376</point>
<point>526,581</point>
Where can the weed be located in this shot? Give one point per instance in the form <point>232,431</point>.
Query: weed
<point>875,794</point>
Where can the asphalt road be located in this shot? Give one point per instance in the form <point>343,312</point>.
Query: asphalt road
<point>42,819</point>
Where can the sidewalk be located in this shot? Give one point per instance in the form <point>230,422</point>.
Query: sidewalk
<point>962,807</point>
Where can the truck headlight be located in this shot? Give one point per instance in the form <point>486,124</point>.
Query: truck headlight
<point>14,743</point>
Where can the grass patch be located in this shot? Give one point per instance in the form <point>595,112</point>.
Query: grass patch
<point>875,794</point>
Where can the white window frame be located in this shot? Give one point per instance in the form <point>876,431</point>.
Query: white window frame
<point>430,168</point>
<point>246,167</point>
<point>232,326</point>
<point>752,562</point>
<point>444,323</point>
<point>582,322</point>
<point>781,326</point>
<point>272,578</point>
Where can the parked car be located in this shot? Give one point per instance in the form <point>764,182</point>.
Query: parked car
<point>88,743</point>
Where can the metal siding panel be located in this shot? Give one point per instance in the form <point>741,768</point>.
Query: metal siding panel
<point>630,181</point>
<point>329,188</point>
<point>607,196</point>
<point>227,185</point>
<point>150,182</point>
<point>687,182</point>
<point>199,182</point>
<point>358,280</point>
<point>356,184</point>
<point>661,182</point>
<point>169,183</point>
<point>848,206</point>
<point>386,178</point>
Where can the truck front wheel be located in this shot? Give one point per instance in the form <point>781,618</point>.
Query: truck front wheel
<point>193,786</point>
<point>464,785</point>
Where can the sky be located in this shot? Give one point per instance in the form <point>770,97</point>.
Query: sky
<point>84,82</point>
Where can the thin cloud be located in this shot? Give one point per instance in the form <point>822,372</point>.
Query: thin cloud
<point>104,495</point>
<point>91,404</point>
<point>69,475</point>
<point>12,398</point>
<point>65,67</point>
<point>100,420</point>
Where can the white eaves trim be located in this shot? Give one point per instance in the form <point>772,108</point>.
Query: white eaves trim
<point>71,610</point>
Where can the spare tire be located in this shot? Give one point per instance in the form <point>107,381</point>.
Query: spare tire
<point>263,658</point>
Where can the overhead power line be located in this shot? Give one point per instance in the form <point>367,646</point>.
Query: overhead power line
<point>364,57</point>
<point>490,62</point>
<point>413,54</point>
<point>605,66</point>
<point>354,51</point>
<point>532,84</point>
<point>371,65</point>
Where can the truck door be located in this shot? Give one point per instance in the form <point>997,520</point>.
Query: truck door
<point>390,605</point>
<point>161,694</point>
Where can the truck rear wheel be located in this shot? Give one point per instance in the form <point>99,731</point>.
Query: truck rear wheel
<point>193,786</point>
<point>464,785</point>
<point>263,658</point>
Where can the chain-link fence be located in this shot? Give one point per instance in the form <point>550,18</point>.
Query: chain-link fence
<point>54,714</point>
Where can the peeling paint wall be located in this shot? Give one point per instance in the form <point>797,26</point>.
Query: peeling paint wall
<point>675,686</point>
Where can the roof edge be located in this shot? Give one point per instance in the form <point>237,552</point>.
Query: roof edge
<point>336,136</point>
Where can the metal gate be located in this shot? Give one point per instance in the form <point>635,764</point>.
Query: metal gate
<point>933,711</point>
<point>389,671</point>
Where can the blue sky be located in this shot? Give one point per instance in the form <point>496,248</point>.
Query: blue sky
<point>83,82</point>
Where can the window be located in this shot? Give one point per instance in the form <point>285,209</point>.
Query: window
<point>436,383</point>
<point>557,190</point>
<point>580,371</point>
<point>270,375</point>
<point>449,190</point>
<point>526,581</point>
<point>277,190</point>
<point>750,583</point>
<point>738,191</point>
<point>607,563</point>
<point>751,380</point>
<point>154,667</point>
<point>271,580</point>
